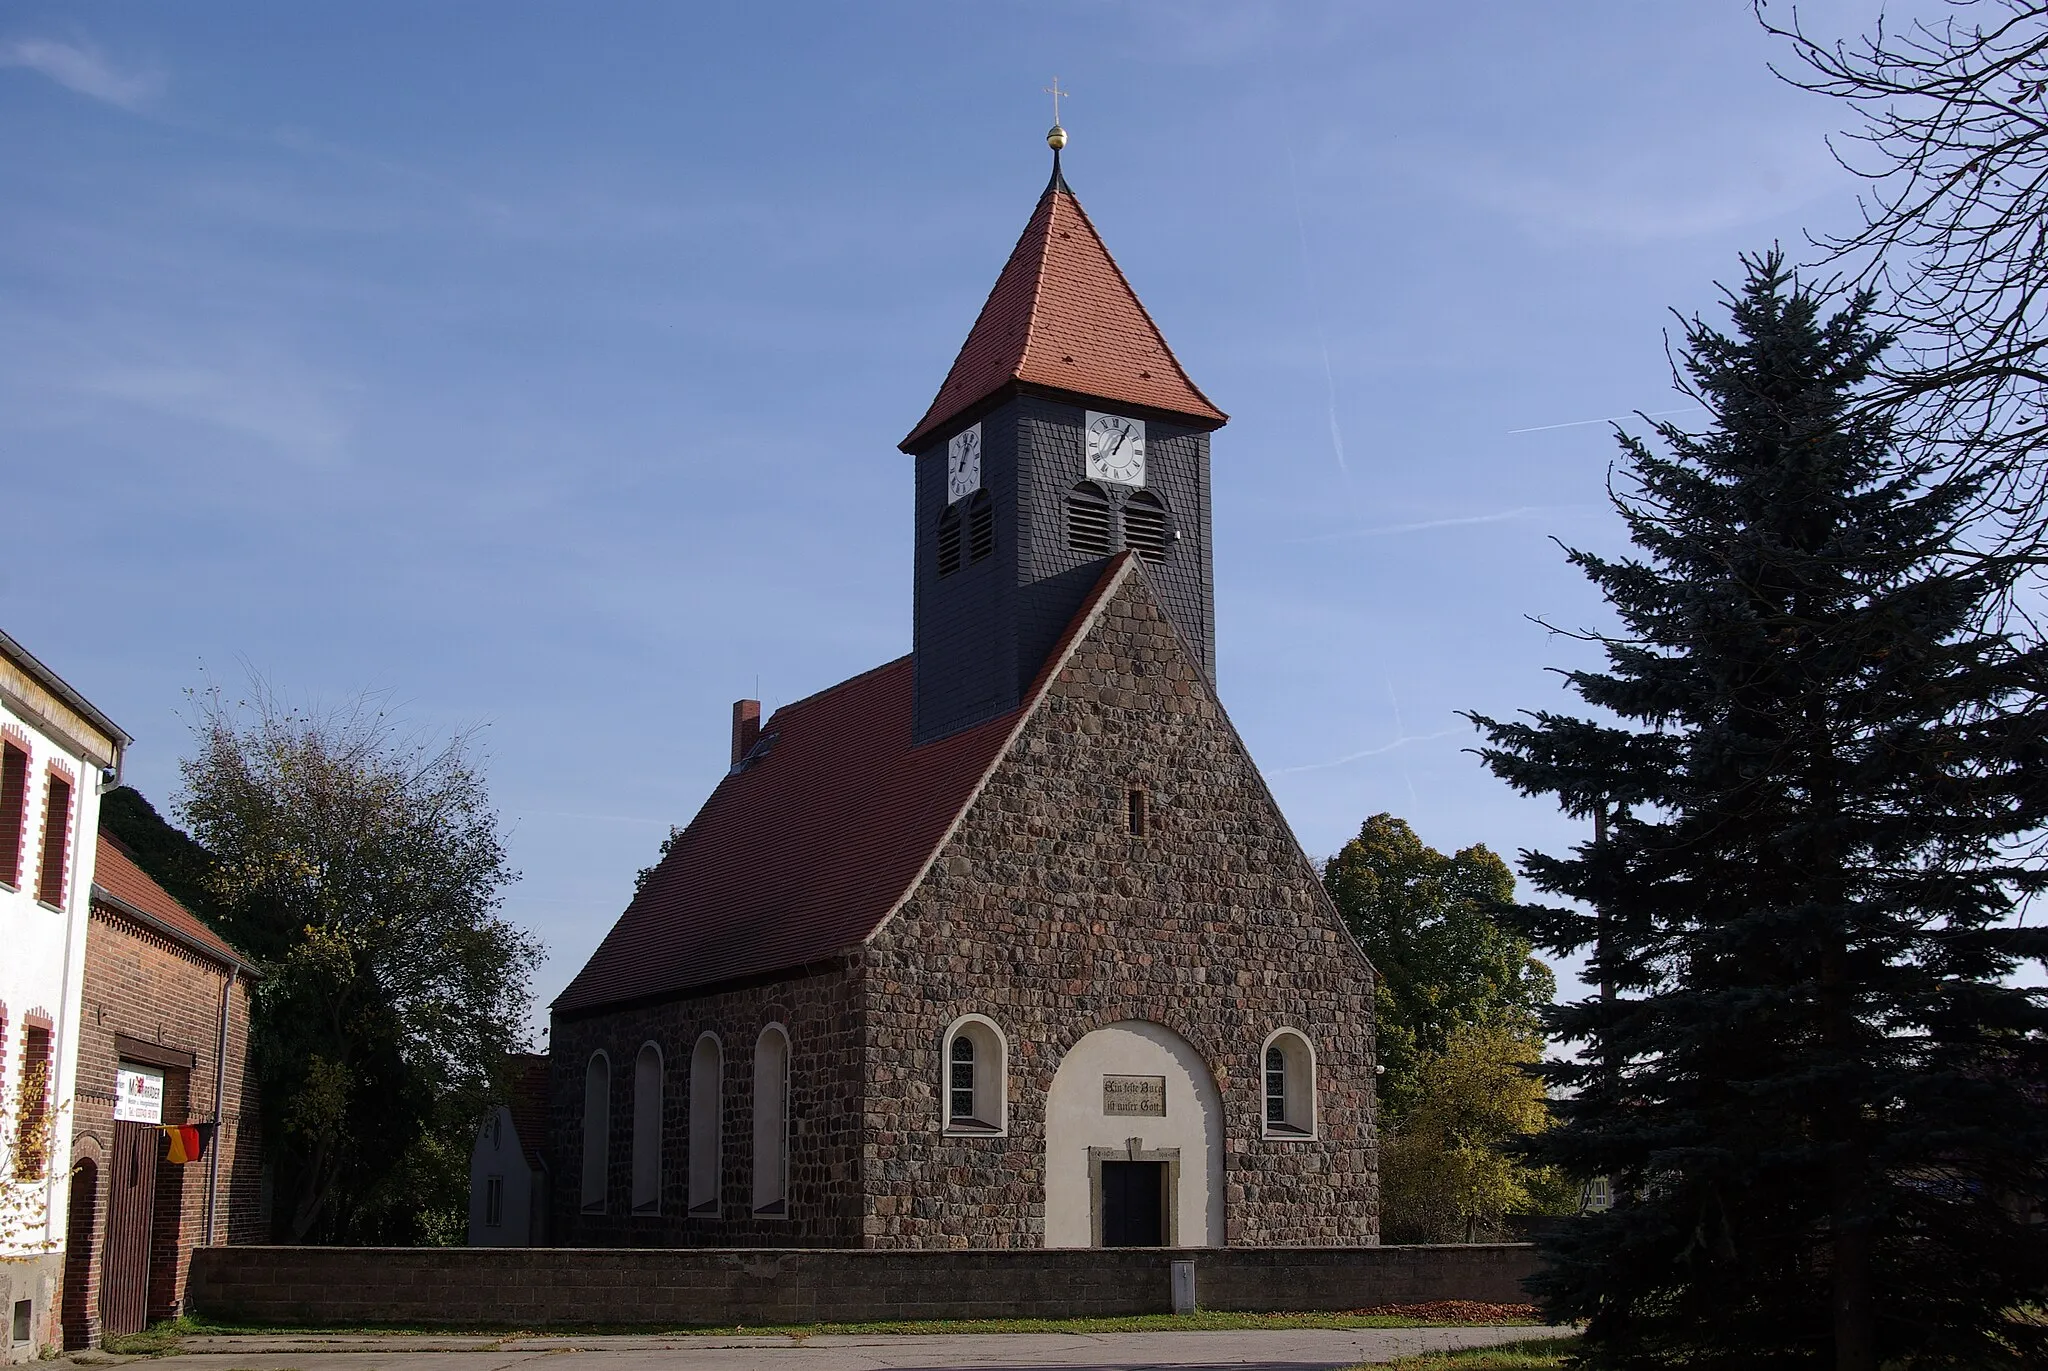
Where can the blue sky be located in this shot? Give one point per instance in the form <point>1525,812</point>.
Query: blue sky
<point>541,367</point>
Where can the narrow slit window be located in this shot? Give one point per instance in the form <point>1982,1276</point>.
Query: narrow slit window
<point>56,841</point>
<point>981,526</point>
<point>949,541</point>
<point>963,1078</point>
<point>1137,811</point>
<point>1088,520</point>
<point>1148,530</point>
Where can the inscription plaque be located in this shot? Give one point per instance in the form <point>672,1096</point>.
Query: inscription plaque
<point>1134,1095</point>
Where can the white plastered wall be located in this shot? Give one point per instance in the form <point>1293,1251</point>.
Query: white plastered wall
<point>1076,1122</point>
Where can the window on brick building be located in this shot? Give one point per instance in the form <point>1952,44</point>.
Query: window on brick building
<point>32,1105</point>
<point>647,1130</point>
<point>597,1128</point>
<point>494,1201</point>
<point>1088,520</point>
<point>1148,527</point>
<point>56,840</point>
<point>707,1106</point>
<point>1290,1086</point>
<point>976,1087</point>
<point>771,1122</point>
<point>13,809</point>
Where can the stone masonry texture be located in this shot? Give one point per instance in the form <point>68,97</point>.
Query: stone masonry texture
<point>525,1287</point>
<point>1044,914</point>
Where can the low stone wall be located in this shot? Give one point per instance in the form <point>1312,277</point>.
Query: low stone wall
<point>531,1287</point>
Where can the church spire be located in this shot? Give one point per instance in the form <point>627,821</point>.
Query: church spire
<point>1062,318</point>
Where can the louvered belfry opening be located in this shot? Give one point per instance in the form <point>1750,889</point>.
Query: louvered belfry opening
<point>1148,529</point>
<point>1088,520</point>
<point>949,541</point>
<point>981,526</point>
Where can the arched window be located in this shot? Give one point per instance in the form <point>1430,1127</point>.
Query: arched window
<point>976,1087</point>
<point>771,1122</point>
<point>1289,1082</point>
<point>597,1127</point>
<point>707,1107</point>
<point>981,526</point>
<point>949,540</point>
<point>1088,520</point>
<point>647,1130</point>
<point>1148,527</point>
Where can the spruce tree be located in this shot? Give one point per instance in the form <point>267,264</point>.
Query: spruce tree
<point>1815,761</point>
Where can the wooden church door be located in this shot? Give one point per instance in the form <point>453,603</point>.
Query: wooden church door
<point>131,1215</point>
<point>1133,1204</point>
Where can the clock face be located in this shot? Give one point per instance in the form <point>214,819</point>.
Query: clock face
<point>1116,449</point>
<point>963,464</point>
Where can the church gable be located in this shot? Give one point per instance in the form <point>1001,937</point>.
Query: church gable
<point>1122,864</point>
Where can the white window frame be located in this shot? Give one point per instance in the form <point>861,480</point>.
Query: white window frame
<point>707,1122</point>
<point>494,1201</point>
<point>1300,1097</point>
<point>991,1117</point>
<point>771,1127</point>
<point>597,1132</point>
<point>646,1197</point>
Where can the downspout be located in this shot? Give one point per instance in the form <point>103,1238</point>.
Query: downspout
<point>220,1082</point>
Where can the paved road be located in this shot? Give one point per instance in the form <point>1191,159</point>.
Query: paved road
<point>1316,1349</point>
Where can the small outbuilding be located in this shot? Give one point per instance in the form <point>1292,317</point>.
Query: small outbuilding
<point>508,1173</point>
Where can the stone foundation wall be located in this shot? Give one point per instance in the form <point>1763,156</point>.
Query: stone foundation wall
<point>534,1287</point>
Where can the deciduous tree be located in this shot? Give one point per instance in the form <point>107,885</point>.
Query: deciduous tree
<point>365,870</point>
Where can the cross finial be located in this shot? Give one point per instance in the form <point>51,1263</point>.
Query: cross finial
<point>1056,137</point>
<point>1055,92</point>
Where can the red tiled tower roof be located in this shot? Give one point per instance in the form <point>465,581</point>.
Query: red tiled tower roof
<point>800,855</point>
<point>1063,316</point>
<point>116,874</point>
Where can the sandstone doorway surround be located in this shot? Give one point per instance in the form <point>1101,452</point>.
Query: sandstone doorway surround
<point>1133,1092</point>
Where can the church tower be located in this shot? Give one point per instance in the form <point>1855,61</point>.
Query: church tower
<point>1065,432</point>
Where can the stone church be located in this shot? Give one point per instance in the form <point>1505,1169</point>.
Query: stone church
<point>1004,943</point>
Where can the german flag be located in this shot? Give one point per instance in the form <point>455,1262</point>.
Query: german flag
<point>188,1140</point>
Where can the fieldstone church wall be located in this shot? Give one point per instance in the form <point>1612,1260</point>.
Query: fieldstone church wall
<point>1045,914</point>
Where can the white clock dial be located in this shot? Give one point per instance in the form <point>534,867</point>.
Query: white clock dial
<point>1116,449</point>
<point>963,464</point>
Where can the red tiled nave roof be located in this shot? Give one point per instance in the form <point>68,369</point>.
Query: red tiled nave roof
<point>800,856</point>
<point>1063,316</point>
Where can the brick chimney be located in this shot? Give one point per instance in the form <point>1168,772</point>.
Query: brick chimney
<point>746,727</point>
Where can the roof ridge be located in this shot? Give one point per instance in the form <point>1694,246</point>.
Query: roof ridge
<point>820,694</point>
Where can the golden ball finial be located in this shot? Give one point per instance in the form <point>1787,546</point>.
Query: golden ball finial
<point>1055,137</point>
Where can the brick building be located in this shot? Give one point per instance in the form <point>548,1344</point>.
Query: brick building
<point>164,1039</point>
<point>1004,943</point>
<point>55,750</point>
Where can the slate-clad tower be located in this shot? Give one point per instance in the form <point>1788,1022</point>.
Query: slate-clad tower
<point>1065,432</point>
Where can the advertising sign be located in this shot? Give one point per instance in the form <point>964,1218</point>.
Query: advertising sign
<point>138,1094</point>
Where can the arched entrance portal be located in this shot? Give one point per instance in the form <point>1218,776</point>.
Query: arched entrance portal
<point>1133,1143</point>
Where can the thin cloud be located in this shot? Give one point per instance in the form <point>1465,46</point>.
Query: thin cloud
<point>1459,521</point>
<point>1381,750</point>
<point>84,69</point>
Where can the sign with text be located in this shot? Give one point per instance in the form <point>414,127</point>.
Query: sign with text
<point>1134,1095</point>
<point>138,1094</point>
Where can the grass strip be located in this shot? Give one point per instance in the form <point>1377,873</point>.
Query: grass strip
<point>1535,1354</point>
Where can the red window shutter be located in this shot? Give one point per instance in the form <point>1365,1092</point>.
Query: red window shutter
<point>13,810</point>
<point>56,841</point>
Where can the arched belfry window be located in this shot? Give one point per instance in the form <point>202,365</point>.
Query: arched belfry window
<point>949,540</point>
<point>1289,1086</point>
<point>647,1130</point>
<point>981,526</point>
<point>707,1106</point>
<point>597,1128</point>
<point>1088,520</point>
<point>771,1122</point>
<point>976,1089</point>
<point>1148,526</point>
